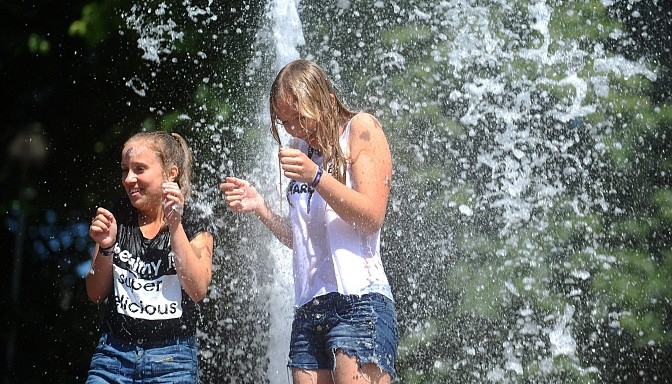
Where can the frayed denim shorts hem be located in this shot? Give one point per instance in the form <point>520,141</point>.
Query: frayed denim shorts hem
<point>363,326</point>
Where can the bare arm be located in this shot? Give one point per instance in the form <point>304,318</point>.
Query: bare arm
<point>193,259</point>
<point>103,231</point>
<point>365,205</point>
<point>99,279</point>
<point>242,197</point>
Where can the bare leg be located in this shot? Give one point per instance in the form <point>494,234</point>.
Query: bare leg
<point>304,376</point>
<point>348,372</point>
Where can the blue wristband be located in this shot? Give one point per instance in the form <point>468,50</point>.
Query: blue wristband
<point>317,178</point>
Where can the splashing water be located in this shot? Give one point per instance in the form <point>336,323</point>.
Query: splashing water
<point>287,36</point>
<point>503,118</point>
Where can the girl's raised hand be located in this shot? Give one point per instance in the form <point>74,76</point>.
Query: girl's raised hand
<point>296,165</point>
<point>173,202</point>
<point>103,228</point>
<point>241,196</point>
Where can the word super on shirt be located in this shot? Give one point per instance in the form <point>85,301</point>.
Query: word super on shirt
<point>147,289</point>
<point>148,301</point>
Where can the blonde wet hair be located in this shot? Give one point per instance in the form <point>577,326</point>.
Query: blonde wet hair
<point>305,86</point>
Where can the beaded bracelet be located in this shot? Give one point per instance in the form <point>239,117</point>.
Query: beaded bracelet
<point>109,251</point>
<point>317,178</point>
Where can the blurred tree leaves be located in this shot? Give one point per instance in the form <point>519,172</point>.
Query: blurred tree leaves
<point>70,74</point>
<point>97,21</point>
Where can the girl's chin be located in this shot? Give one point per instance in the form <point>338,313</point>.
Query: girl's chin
<point>137,200</point>
<point>143,201</point>
<point>133,197</point>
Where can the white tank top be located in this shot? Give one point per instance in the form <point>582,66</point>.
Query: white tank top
<point>331,255</point>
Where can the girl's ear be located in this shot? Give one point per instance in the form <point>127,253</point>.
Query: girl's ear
<point>173,172</point>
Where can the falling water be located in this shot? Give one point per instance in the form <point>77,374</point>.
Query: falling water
<point>505,120</point>
<point>287,35</point>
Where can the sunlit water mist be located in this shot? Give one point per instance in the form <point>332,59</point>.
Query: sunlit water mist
<point>287,36</point>
<point>502,117</point>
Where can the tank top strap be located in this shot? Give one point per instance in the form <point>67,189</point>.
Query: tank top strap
<point>344,140</point>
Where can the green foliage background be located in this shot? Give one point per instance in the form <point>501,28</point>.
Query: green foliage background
<point>489,293</point>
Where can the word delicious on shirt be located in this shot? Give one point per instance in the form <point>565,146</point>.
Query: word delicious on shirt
<point>146,290</point>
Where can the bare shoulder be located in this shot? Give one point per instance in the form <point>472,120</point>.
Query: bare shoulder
<point>366,128</point>
<point>368,139</point>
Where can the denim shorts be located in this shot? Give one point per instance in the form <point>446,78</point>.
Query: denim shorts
<point>149,362</point>
<point>361,326</point>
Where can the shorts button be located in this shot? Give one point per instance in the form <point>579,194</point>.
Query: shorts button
<point>319,328</point>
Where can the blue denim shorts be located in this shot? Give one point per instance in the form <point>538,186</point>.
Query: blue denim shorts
<point>118,361</point>
<point>361,326</point>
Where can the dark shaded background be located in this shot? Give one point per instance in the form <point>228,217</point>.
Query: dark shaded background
<point>65,111</point>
